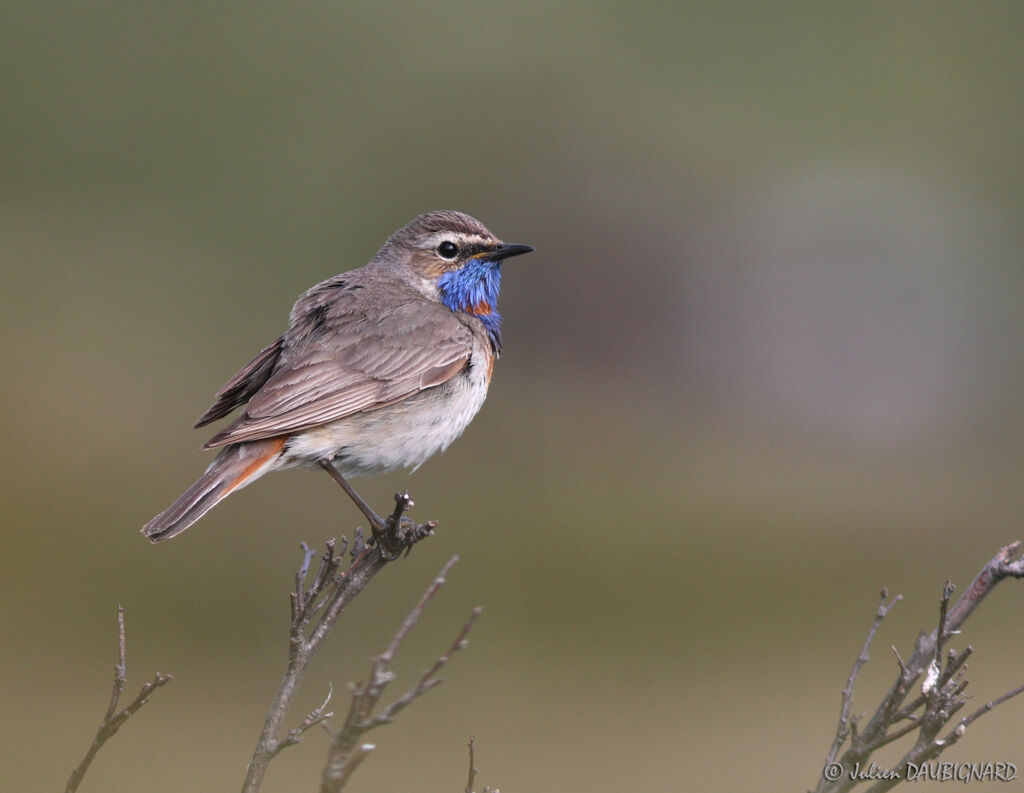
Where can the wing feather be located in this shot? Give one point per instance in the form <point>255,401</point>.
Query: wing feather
<point>243,385</point>
<point>336,361</point>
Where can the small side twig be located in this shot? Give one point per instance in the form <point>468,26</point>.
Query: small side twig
<point>473,771</point>
<point>472,766</point>
<point>313,718</point>
<point>345,750</point>
<point>967,720</point>
<point>941,633</point>
<point>113,718</point>
<point>845,724</point>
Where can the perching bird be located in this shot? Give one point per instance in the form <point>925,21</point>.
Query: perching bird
<point>380,368</point>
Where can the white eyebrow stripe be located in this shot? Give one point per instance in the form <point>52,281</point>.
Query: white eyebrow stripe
<point>433,240</point>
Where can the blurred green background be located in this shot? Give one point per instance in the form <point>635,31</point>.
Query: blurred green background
<point>765,360</point>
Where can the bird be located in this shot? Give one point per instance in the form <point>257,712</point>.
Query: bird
<point>380,368</point>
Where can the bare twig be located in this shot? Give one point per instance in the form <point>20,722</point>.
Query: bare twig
<point>314,611</point>
<point>967,720</point>
<point>1001,566</point>
<point>313,718</point>
<point>940,633</point>
<point>845,726</point>
<point>473,771</point>
<point>942,691</point>
<point>472,766</point>
<point>113,719</point>
<point>345,748</point>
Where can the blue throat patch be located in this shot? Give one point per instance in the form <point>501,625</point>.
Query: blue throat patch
<point>474,288</point>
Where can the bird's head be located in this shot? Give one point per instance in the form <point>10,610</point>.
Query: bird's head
<point>458,257</point>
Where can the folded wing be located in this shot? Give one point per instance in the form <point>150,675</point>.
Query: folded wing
<point>336,360</point>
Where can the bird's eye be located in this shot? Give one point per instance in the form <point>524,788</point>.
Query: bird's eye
<point>448,250</point>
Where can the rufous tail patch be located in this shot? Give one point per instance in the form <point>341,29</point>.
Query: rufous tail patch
<point>274,446</point>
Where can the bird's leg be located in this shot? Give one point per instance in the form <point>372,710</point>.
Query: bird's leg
<point>377,523</point>
<point>385,531</point>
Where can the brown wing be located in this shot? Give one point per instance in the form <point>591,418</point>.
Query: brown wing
<point>337,361</point>
<point>243,385</point>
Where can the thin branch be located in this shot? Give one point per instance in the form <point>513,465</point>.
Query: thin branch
<point>428,680</point>
<point>988,706</point>
<point>120,668</point>
<point>895,735</point>
<point>940,632</point>
<point>473,770</point>
<point>113,719</point>
<point>843,730</point>
<point>345,748</point>
<point>417,611</point>
<point>472,766</point>
<point>1001,566</point>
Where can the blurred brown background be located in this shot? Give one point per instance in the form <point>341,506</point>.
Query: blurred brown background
<point>766,359</point>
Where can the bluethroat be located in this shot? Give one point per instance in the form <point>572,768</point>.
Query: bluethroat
<point>380,368</point>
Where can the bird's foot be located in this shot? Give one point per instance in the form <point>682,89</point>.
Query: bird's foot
<point>397,532</point>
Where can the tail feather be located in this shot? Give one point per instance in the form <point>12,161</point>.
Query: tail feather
<point>235,467</point>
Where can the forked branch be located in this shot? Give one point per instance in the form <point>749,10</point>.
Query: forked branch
<point>114,718</point>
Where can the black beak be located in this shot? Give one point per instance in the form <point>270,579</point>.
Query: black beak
<point>504,251</point>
